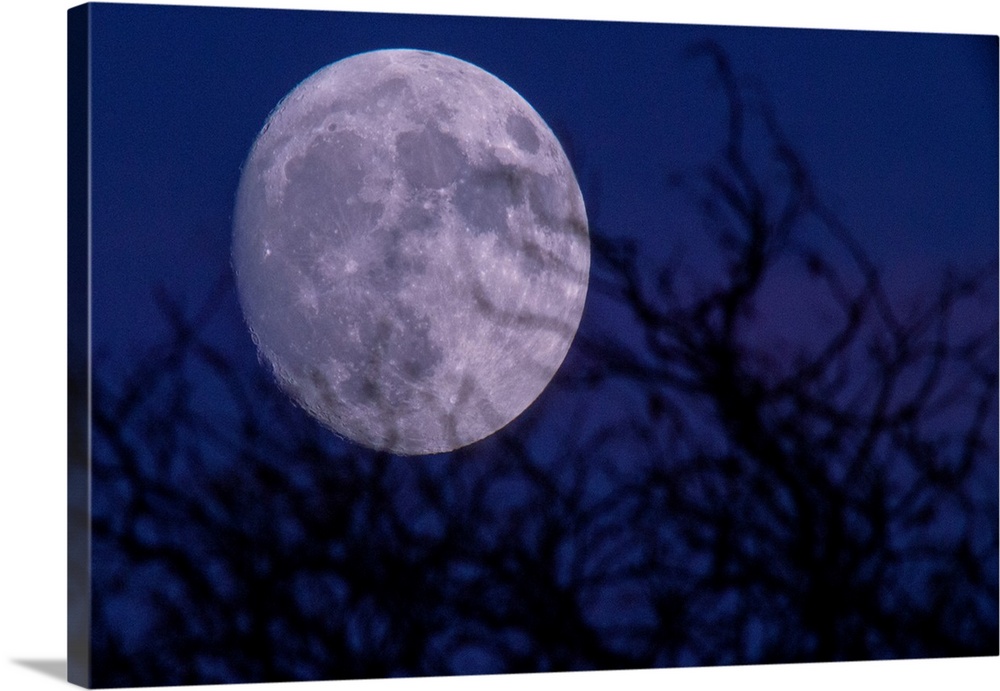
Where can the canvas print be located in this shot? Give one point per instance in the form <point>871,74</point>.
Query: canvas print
<point>406,345</point>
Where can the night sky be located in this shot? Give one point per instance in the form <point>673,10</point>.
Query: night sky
<point>898,131</point>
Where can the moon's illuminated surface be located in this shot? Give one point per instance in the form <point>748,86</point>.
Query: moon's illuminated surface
<point>411,250</point>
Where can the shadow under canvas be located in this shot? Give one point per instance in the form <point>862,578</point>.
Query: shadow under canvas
<point>50,668</point>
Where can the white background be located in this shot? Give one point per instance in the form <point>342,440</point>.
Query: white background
<point>33,335</point>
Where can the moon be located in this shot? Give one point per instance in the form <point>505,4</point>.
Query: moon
<point>411,250</point>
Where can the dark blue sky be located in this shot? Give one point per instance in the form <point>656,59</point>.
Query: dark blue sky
<point>900,129</point>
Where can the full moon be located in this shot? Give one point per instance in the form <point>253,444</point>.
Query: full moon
<point>411,250</point>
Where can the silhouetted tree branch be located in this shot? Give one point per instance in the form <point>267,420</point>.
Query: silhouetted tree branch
<point>828,476</point>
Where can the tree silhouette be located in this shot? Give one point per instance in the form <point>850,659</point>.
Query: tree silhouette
<point>841,491</point>
<point>696,487</point>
